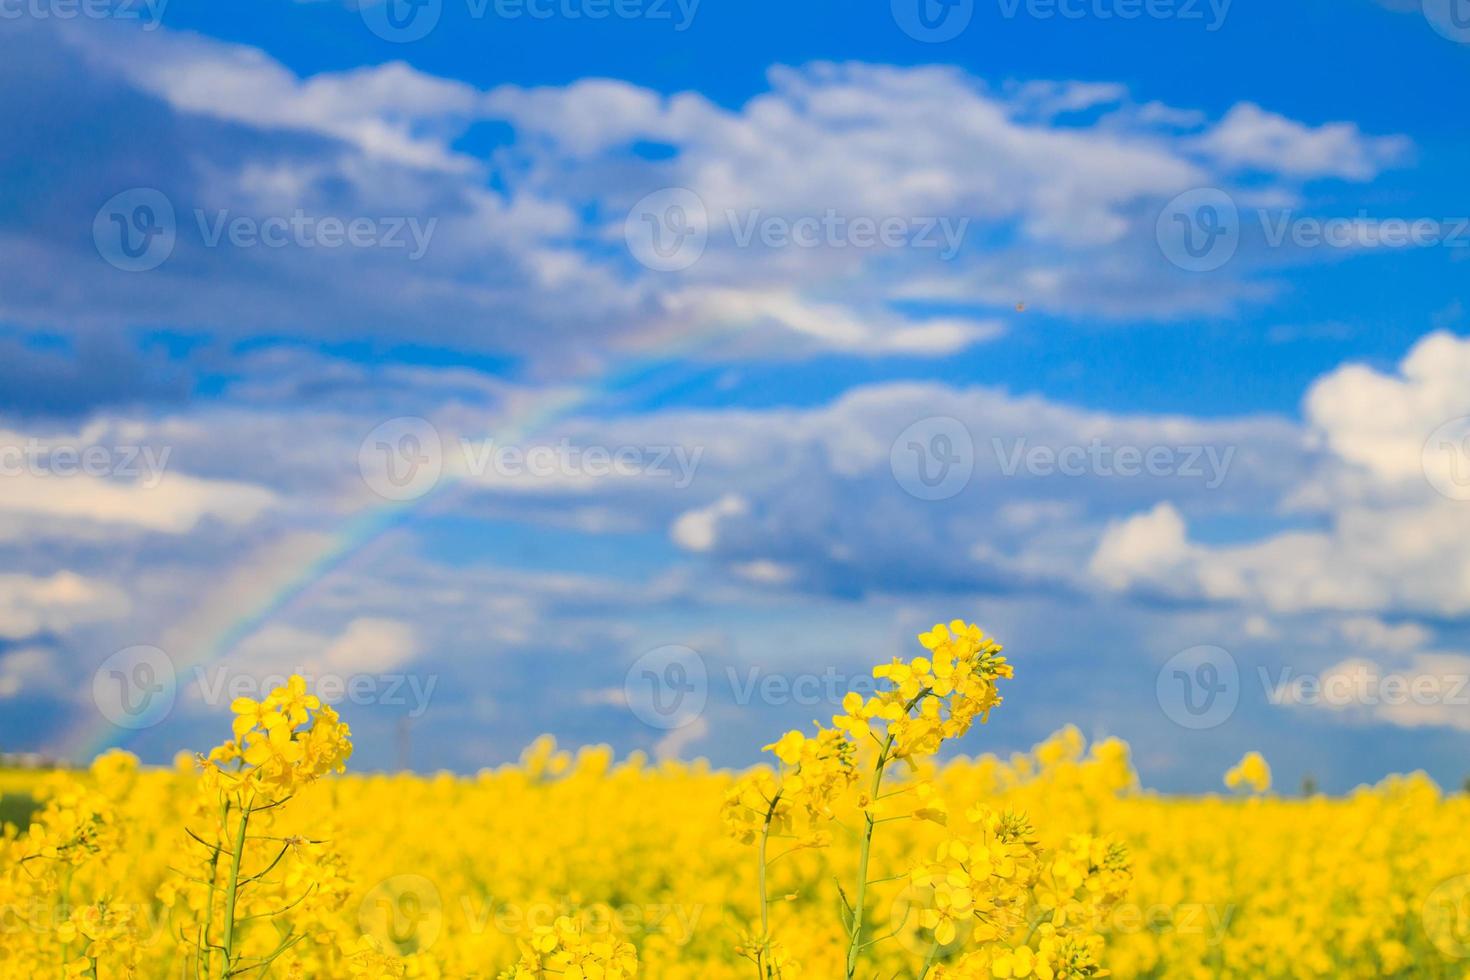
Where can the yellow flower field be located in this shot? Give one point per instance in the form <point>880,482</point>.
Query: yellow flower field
<point>260,859</point>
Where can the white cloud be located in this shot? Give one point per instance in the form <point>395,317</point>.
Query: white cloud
<point>699,529</point>
<point>1381,421</point>
<point>528,241</point>
<point>1369,633</point>
<point>28,671</point>
<point>676,744</point>
<point>1429,689</point>
<point>391,112</point>
<point>1251,137</point>
<point>764,572</point>
<point>1147,548</point>
<point>1390,542</point>
<point>366,644</point>
<point>31,605</point>
<point>175,506</point>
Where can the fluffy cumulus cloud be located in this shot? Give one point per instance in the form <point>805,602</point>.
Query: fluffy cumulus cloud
<point>824,210</point>
<point>1250,137</point>
<point>1378,517</point>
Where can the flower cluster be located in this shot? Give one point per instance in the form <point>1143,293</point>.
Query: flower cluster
<point>280,744</point>
<point>980,881</point>
<point>815,772</point>
<point>97,875</point>
<point>568,951</point>
<point>931,698</point>
<point>1007,882</point>
<point>1251,773</point>
<point>990,884</point>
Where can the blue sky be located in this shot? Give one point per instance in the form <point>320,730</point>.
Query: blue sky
<point>483,368</point>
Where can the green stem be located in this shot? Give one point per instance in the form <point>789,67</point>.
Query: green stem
<point>760,963</point>
<point>232,888</point>
<point>859,908</point>
<point>929,959</point>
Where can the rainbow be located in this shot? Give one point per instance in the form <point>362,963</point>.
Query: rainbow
<point>283,576</point>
